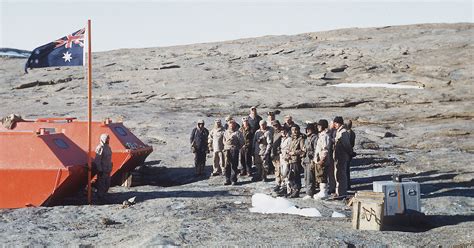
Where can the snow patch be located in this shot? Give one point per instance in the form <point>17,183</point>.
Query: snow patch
<point>374,85</point>
<point>265,204</point>
<point>338,215</point>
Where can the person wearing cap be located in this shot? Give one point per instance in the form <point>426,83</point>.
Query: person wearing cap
<point>309,165</point>
<point>262,143</point>
<point>216,146</point>
<point>275,153</point>
<point>227,121</point>
<point>297,153</point>
<point>199,146</point>
<point>289,123</point>
<point>342,153</point>
<point>352,137</point>
<point>103,164</point>
<point>323,160</point>
<point>246,150</point>
<point>233,142</point>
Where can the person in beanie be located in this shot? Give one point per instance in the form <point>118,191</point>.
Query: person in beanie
<point>103,164</point>
<point>342,153</point>
<point>199,146</point>
<point>323,159</point>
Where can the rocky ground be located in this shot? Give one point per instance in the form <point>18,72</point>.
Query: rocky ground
<point>159,93</point>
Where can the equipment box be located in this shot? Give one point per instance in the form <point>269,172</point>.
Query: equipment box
<point>400,197</point>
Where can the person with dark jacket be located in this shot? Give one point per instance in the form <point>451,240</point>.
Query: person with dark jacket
<point>309,165</point>
<point>342,152</point>
<point>199,146</point>
<point>352,137</point>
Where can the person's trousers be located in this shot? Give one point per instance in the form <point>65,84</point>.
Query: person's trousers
<point>199,161</point>
<point>322,172</point>
<point>278,175</point>
<point>310,177</point>
<point>294,178</point>
<point>348,173</point>
<point>103,184</point>
<point>218,165</point>
<point>340,166</point>
<point>246,159</point>
<point>261,167</point>
<point>231,164</point>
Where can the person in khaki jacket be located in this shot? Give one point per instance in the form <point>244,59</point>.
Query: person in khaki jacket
<point>342,153</point>
<point>216,146</point>
<point>103,163</point>
<point>323,159</point>
<point>246,151</point>
<point>233,142</point>
<point>297,153</point>
<point>262,143</point>
<point>275,153</point>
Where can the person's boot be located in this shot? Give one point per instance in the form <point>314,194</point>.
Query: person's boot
<point>323,192</point>
<point>276,188</point>
<point>295,194</point>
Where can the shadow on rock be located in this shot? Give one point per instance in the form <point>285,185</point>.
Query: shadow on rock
<point>151,174</point>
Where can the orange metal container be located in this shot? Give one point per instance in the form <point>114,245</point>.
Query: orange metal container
<point>128,151</point>
<point>39,169</point>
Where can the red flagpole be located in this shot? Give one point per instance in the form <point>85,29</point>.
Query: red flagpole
<point>89,106</point>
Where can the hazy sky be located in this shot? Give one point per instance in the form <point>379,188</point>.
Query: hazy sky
<point>131,24</point>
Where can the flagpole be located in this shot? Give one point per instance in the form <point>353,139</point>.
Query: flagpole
<point>89,112</point>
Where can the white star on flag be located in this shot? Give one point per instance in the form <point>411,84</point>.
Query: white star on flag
<point>67,57</point>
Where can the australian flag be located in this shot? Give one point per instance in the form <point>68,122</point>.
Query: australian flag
<point>66,51</point>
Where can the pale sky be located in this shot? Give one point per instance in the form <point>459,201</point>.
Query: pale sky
<point>135,24</point>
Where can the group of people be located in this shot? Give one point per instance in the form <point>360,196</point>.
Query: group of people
<point>323,152</point>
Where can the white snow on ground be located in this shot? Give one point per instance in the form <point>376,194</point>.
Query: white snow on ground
<point>375,85</point>
<point>262,203</point>
<point>338,215</point>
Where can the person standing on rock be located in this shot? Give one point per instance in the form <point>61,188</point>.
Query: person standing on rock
<point>297,153</point>
<point>216,146</point>
<point>342,153</point>
<point>284,161</point>
<point>246,150</point>
<point>323,159</point>
<point>103,164</point>
<point>262,143</point>
<point>199,146</point>
<point>309,165</point>
<point>233,142</point>
<point>275,153</point>
<point>352,137</point>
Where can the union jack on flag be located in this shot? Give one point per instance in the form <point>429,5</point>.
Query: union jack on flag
<point>66,51</point>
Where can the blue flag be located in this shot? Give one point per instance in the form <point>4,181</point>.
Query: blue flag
<point>66,51</point>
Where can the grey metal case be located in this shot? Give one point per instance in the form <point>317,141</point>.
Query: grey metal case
<point>400,197</point>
